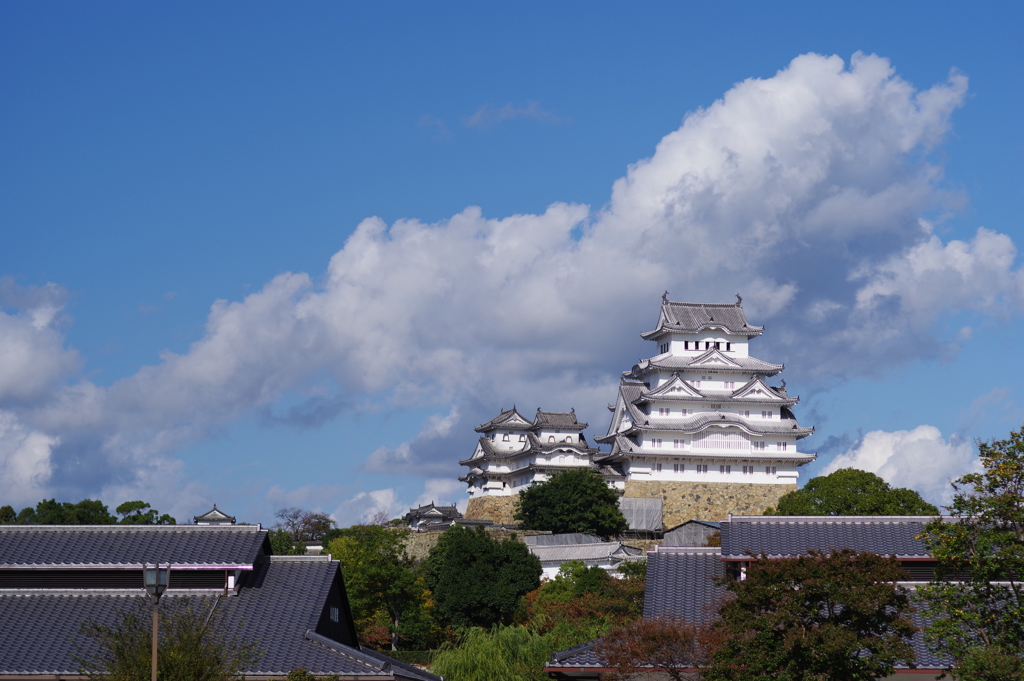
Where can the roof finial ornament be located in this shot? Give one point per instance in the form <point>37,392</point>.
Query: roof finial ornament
<point>664,298</point>
<point>739,300</point>
<point>783,384</point>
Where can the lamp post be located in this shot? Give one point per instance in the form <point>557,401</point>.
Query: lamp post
<point>155,579</point>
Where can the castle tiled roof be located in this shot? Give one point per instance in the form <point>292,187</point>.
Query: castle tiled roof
<point>745,365</point>
<point>510,419</point>
<point>623,446</point>
<point>794,535</point>
<point>533,446</point>
<point>562,420</point>
<point>695,317</point>
<point>85,546</point>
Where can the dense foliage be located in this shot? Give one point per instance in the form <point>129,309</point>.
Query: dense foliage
<point>193,647</point>
<point>978,619</point>
<point>380,581</point>
<point>849,491</point>
<point>572,501</point>
<point>510,653</point>
<point>85,512</point>
<point>477,580</point>
<point>670,645</point>
<point>840,616</point>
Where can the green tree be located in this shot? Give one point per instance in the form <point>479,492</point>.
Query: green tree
<point>140,513</point>
<point>477,580</point>
<point>53,512</point>
<point>7,515</point>
<point>510,653</point>
<point>281,544</point>
<point>841,617</point>
<point>193,647</point>
<point>849,491</point>
<point>978,618</point>
<point>378,574</point>
<point>572,501</point>
<point>582,603</point>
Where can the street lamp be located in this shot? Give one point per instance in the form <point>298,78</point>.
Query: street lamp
<point>155,579</point>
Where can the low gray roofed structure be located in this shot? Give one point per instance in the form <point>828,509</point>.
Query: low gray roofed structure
<point>214,517</point>
<point>83,546</point>
<point>795,535</point>
<point>690,533</point>
<point>641,513</point>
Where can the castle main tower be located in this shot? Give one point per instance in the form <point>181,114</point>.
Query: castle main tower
<point>698,425</point>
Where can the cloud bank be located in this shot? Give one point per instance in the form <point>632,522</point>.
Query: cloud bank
<point>919,459</point>
<point>807,192</point>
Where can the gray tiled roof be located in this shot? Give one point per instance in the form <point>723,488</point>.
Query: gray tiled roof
<point>795,535</point>
<point>123,545</point>
<point>214,515</point>
<point>744,365</point>
<point>548,553</point>
<point>565,420</point>
<point>694,317</point>
<point>701,420</point>
<point>680,583</point>
<point>278,606</point>
<point>532,446</point>
<point>510,419</point>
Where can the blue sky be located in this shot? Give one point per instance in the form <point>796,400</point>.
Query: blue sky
<point>157,159</point>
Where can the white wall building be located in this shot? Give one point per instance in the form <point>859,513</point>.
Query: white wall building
<point>702,410</point>
<point>514,452</point>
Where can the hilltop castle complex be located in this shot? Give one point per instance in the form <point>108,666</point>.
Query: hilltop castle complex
<point>696,426</point>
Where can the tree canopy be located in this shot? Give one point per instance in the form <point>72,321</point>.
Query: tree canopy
<point>193,647</point>
<point>840,616</point>
<point>85,512</point>
<point>378,576</point>
<point>849,491</point>
<point>978,619</point>
<point>477,580</point>
<point>571,501</point>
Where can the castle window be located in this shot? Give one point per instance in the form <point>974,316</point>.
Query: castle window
<point>707,345</point>
<point>522,438</point>
<point>769,470</point>
<point>656,442</point>
<point>766,414</point>
<point>664,348</point>
<point>684,412</point>
<point>657,467</point>
<point>746,414</point>
<point>757,446</point>
<point>678,467</point>
<point>747,470</point>
<point>781,446</point>
<point>334,613</point>
<point>725,470</point>
<point>702,468</point>
<point>504,438</point>
<point>728,347</point>
<point>677,444</point>
<point>551,438</point>
<point>717,345</point>
<point>568,439</point>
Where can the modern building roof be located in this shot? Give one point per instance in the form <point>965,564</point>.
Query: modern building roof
<point>696,317</point>
<point>110,546</point>
<point>777,536</point>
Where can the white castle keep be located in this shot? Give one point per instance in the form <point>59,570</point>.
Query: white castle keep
<point>696,426</point>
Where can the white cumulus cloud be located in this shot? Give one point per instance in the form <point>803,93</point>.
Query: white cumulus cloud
<point>804,191</point>
<point>919,459</point>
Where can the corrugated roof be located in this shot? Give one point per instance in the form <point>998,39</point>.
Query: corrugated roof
<point>129,545</point>
<point>567,552</point>
<point>796,535</point>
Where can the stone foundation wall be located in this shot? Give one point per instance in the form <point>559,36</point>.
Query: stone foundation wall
<point>682,501</point>
<point>498,510</point>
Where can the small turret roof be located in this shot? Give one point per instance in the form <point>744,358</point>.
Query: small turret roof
<point>695,317</point>
<point>509,419</point>
<point>214,517</point>
<point>564,420</point>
